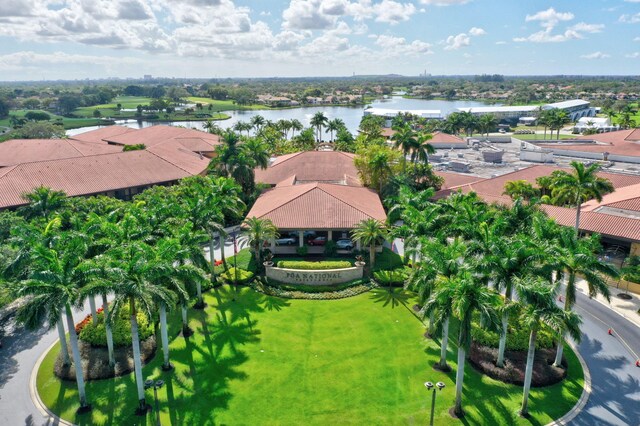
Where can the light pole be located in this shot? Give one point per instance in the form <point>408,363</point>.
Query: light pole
<point>430,386</point>
<point>157,384</point>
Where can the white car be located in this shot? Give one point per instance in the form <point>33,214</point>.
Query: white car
<point>344,244</point>
<point>286,241</point>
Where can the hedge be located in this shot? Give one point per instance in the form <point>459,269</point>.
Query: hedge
<point>95,335</point>
<point>517,336</point>
<point>239,276</point>
<point>393,277</point>
<point>301,264</point>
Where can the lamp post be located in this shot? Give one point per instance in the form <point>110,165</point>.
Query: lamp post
<point>430,386</point>
<point>155,384</point>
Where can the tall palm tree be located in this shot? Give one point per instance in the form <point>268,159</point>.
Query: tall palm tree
<point>405,140</point>
<point>296,126</point>
<point>334,125</point>
<point>540,308</point>
<point>520,189</point>
<point>580,185</point>
<point>258,151</point>
<point>258,231</point>
<point>52,288</point>
<point>487,123</point>
<point>423,148</point>
<point>134,275</point>
<point>43,202</point>
<point>319,120</point>
<point>576,257</point>
<point>257,122</point>
<point>464,297</point>
<point>370,232</point>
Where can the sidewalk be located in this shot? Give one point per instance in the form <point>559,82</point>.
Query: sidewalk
<point>627,308</point>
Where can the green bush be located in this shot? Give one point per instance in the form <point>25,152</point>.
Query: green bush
<point>393,277</point>
<point>517,336</point>
<point>302,251</point>
<point>315,288</point>
<point>95,335</point>
<point>301,264</point>
<point>330,248</point>
<point>237,276</point>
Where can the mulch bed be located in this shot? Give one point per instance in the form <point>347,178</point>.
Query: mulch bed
<point>483,359</point>
<point>95,361</point>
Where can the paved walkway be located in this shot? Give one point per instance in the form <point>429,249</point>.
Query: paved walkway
<point>627,308</point>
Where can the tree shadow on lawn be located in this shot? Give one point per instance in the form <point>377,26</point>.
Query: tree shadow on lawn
<point>394,297</point>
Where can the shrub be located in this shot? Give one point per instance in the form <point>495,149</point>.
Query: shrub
<point>301,264</point>
<point>237,276</point>
<point>517,336</point>
<point>341,291</point>
<point>330,248</point>
<point>393,277</point>
<point>95,335</point>
<point>135,147</point>
<point>302,251</point>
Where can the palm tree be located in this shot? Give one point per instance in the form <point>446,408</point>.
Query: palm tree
<point>257,151</point>
<point>334,125</point>
<point>43,202</point>
<point>579,186</point>
<point>423,149</point>
<point>576,257</point>
<point>405,140</point>
<point>520,189</point>
<point>463,296</point>
<point>257,122</point>
<point>370,232</point>
<point>540,308</point>
<point>296,126</point>
<point>487,123</point>
<point>53,287</point>
<point>213,128</point>
<point>318,121</point>
<point>258,231</point>
<point>135,276</point>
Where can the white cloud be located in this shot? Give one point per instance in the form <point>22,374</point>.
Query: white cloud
<point>30,59</point>
<point>634,55</point>
<point>596,55</point>
<point>501,42</point>
<point>398,46</point>
<point>308,15</point>
<point>456,42</point>
<point>636,39</point>
<point>630,19</point>
<point>549,20</point>
<point>587,28</point>
<point>444,2</point>
<point>549,17</point>
<point>475,31</point>
<point>392,12</point>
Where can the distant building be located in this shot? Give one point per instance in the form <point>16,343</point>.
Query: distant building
<point>576,109</point>
<point>148,77</point>
<point>599,124</point>
<point>389,114</point>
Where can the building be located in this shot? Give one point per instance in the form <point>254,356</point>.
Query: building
<point>389,114</point>
<point>616,218</point>
<point>314,195</point>
<point>598,124</point>
<point>94,163</point>
<point>576,109</point>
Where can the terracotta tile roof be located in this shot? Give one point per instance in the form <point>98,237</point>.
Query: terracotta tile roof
<point>310,166</point>
<point>87,175</point>
<point>452,180</point>
<point>626,198</point>
<point>440,137</point>
<point>18,151</point>
<point>155,135</point>
<point>318,206</point>
<point>605,224</point>
<point>99,135</point>
<point>621,142</point>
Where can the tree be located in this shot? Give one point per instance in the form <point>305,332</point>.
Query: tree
<point>53,288</point>
<point>405,140</point>
<point>134,275</point>
<point>423,149</point>
<point>575,257</point>
<point>520,189</point>
<point>39,130</point>
<point>258,231</point>
<point>371,232</point>
<point>487,123</point>
<point>580,185</point>
<point>257,151</point>
<point>334,126</point>
<point>4,108</point>
<point>43,202</point>
<point>377,164</point>
<point>464,297</point>
<point>540,308</point>
<point>296,126</point>
<point>318,121</point>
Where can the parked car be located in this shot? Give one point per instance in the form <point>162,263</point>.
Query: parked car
<point>344,244</point>
<point>286,241</point>
<point>318,241</point>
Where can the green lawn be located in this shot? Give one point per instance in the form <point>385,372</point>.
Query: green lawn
<point>264,360</point>
<point>67,123</point>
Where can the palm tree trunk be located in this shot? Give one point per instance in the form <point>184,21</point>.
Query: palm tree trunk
<point>578,211</point>
<point>372,256</point>
<point>503,340</point>
<point>443,344</point>
<point>200,303</point>
<point>430,331</point>
<point>63,343</point>
<point>213,260</point>
<point>94,313</point>
<point>524,411</point>
<point>107,327</point>
<point>186,331</point>
<point>137,362</point>
<point>459,379</point>
<point>164,336</point>
<point>223,239</point>
<point>77,361</point>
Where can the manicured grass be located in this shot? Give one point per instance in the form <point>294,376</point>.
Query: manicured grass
<point>228,105</point>
<point>261,360</point>
<point>67,123</point>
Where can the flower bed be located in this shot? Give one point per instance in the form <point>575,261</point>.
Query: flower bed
<point>237,276</point>
<point>314,266</point>
<point>95,334</point>
<point>286,291</point>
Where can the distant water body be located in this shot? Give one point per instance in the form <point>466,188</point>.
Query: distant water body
<point>350,115</point>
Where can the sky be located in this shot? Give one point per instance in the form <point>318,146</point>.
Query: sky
<point>78,39</point>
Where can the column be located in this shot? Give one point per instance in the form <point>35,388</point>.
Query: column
<point>300,238</point>
<point>273,245</point>
<point>329,235</point>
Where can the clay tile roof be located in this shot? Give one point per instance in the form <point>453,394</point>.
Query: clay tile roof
<point>318,206</point>
<point>18,151</point>
<point>101,134</point>
<point>626,198</point>
<point>194,140</point>
<point>440,137</point>
<point>452,180</point>
<point>310,166</point>
<point>621,142</point>
<point>87,175</point>
<point>606,224</point>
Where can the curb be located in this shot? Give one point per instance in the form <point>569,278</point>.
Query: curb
<point>48,415</point>
<point>586,391</point>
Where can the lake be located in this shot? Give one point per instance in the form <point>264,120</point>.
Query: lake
<point>350,115</point>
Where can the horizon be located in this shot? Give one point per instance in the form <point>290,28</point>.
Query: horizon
<point>71,40</point>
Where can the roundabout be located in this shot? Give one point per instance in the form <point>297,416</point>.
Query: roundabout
<point>359,360</point>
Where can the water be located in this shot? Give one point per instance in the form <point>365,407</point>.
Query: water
<point>349,114</point>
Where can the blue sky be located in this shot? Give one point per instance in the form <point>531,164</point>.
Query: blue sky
<point>75,39</point>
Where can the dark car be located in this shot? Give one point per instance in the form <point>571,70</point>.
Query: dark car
<point>318,241</point>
